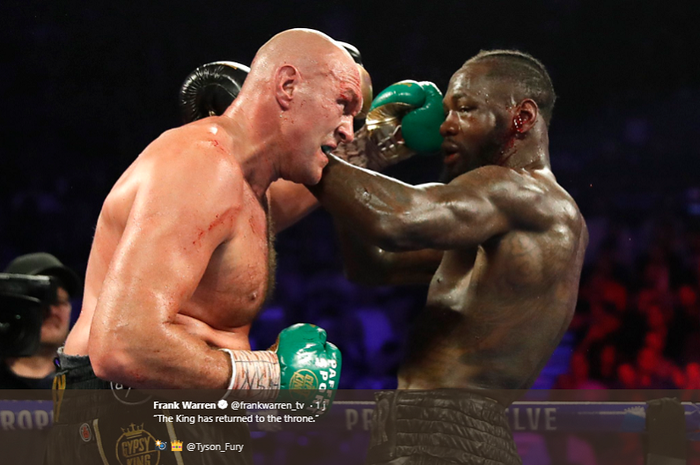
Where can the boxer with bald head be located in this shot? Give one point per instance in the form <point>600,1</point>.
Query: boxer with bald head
<point>182,259</point>
<point>501,245</point>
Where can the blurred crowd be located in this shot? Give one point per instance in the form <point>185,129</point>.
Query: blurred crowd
<point>637,323</point>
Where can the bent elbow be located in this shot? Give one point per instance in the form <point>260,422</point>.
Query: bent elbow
<point>392,234</point>
<point>112,360</point>
<point>111,364</point>
<point>390,243</point>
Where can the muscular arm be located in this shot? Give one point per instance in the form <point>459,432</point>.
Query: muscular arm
<point>463,214</point>
<point>364,263</point>
<point>176,221</point>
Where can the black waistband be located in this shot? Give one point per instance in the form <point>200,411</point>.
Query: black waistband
<point>77,372</point>
<point>79,395</point>
<point>440,426</point>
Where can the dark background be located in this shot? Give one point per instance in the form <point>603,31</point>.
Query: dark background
<point>87,85</point>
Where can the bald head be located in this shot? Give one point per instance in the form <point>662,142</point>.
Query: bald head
<point>311,52</point>
<point>301,60</point>
<point>300,96</point>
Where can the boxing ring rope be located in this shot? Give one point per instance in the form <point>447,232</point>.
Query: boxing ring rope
<point>524,416</point>
<point>560,416</point>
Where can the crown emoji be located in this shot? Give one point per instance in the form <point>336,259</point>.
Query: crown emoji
<point>133,430</point>
<point>176,446</point>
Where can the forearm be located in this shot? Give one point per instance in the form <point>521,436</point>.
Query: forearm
<point>156,356</point>
<point>374,204</point>
<point>189,363</point>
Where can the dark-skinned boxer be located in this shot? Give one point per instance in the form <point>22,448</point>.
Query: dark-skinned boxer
<point>501,245</point>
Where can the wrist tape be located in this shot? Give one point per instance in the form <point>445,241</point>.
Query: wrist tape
<point>254,370</point>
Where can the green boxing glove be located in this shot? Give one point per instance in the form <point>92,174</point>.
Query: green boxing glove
<point>309,367</point>
<point>417,106</point>
<point>404,120</point>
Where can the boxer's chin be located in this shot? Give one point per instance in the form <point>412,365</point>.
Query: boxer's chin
<point>325,151</point>
<point>314,179</point>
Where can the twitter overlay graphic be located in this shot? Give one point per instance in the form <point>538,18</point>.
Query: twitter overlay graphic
<point>243,412</point>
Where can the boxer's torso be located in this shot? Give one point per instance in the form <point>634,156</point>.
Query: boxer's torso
<point>495,313</point>
<point>237,277</point>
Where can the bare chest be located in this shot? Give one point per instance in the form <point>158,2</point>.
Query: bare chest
<point>493,275</point>
<point>239,275</point>
<point>453,278</point>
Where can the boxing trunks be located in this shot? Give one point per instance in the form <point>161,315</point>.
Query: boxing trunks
<point>440,427</point>
<point>102,423</point>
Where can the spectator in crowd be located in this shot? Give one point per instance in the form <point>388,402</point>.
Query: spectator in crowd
<point>626,377</point>
<point>692,376</point>
<point>37,371</point>
<point>652,370</point>
<point>603,368</point>
<point>578,375</point>
<point>684,345</point>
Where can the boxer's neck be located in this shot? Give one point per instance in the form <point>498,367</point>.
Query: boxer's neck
<point>528,151</point>
<point>256,139</point>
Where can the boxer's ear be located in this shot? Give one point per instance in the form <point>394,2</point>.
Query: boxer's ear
<point>525,116</point>
<point>287,79</point>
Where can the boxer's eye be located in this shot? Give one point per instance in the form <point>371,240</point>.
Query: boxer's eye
<point>344,103</point>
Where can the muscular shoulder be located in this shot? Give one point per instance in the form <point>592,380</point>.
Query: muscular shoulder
<point>208,136</point>
<point>500,181</point>
<point>185,175</point>
<point>196,154</point>
<point>531,199</point>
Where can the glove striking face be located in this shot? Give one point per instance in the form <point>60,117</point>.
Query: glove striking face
<point>403,120</point>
